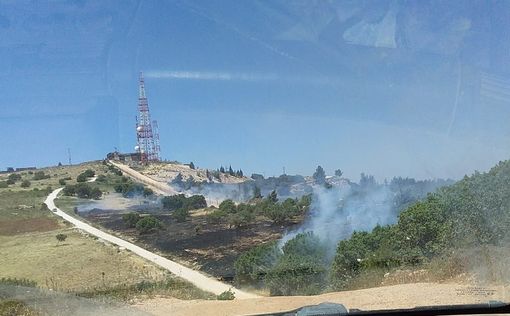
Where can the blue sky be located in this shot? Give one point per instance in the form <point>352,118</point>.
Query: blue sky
<point>413,88</point>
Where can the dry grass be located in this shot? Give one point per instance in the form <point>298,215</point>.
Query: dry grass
<point>78,264</point>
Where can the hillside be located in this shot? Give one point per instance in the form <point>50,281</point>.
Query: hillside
<point>464,226</point>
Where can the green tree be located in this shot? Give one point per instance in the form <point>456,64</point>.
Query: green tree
<point>319,175</point>
<point>192,165</point>
<point>338,173</point>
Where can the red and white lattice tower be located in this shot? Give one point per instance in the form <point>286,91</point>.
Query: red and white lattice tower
<point>147,137</point>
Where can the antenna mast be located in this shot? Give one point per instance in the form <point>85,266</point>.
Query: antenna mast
<point>147,138</point>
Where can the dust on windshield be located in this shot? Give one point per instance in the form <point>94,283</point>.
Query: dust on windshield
<point>253,157</point>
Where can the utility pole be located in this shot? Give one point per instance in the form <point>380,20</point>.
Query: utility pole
<point>69,155</point>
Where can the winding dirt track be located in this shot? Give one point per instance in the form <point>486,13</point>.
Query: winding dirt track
<point>198,279</point>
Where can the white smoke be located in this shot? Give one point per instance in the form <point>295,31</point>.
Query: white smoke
<point>337,212</point>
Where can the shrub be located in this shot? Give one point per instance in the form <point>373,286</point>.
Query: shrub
<point>242,218</point>
<point>252,266</point>
<point>174,202</point>
<point>131,219</point>
<point>179,201</point>
<point>83,191</point>
<point>227,295</point>
<point>296,275</point>
<point>101,178</point>
<point>25,184</point>
<point>69,190</point>
<point>61,237</point>
<point>215,217</point>
<point>228,206</point>
<point>301,270</point>
<point>40,175</point>
<point>14,177</point>
<point>3,184</point>
<point>10,181</point>
<point>181,214</point>
<point>89,173</point>
<point>81,178</point>
<point>62,182</point>
<point>195,202</point>
<point>147,224</point>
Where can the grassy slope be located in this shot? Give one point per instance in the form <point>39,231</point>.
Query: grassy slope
<point>80,264</point>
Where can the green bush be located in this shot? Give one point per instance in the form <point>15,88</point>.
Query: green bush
<point>3,184</point>
<point>175,202</point>
<point>225,296</point>
<point>25,184</point>
<point>131,219</point>
<point>10,181</point>
<point>215,216</point>
<point>242,218</point>
<point>83,191</point>
<point>147,224</point>
<point>101,178</point>
<point>89,173</point>
<point>40,175</point>
<point>252,266</point>
<point>69,190</point>
<point>302,268</point>
<point>181,214</point>
<point>62,182</point>
<point>13,177</point>
<point>228,206</point>
<point>81,178</point>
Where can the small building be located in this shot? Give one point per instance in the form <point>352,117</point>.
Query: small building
<point>127,157</point>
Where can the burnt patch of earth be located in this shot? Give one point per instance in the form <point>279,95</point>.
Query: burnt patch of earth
<point>212,248</point>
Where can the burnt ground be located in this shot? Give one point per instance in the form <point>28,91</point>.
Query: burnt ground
<point>213,249</point>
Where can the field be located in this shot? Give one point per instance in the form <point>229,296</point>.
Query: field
<point>79,264</point>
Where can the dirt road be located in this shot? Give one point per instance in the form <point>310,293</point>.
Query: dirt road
<point>198,279</point>
<point>157,186</point>
<point>388,297</point>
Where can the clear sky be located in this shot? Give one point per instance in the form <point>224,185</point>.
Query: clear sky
<point>410,88</point>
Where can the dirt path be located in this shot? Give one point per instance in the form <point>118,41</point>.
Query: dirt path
<point>157,186</point>
<point>198,279</point>
<point>388,297</point>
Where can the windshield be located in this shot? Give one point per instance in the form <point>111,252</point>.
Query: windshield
<point>249,157</point>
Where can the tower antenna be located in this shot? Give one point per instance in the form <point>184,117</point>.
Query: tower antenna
<point>147,137</point>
